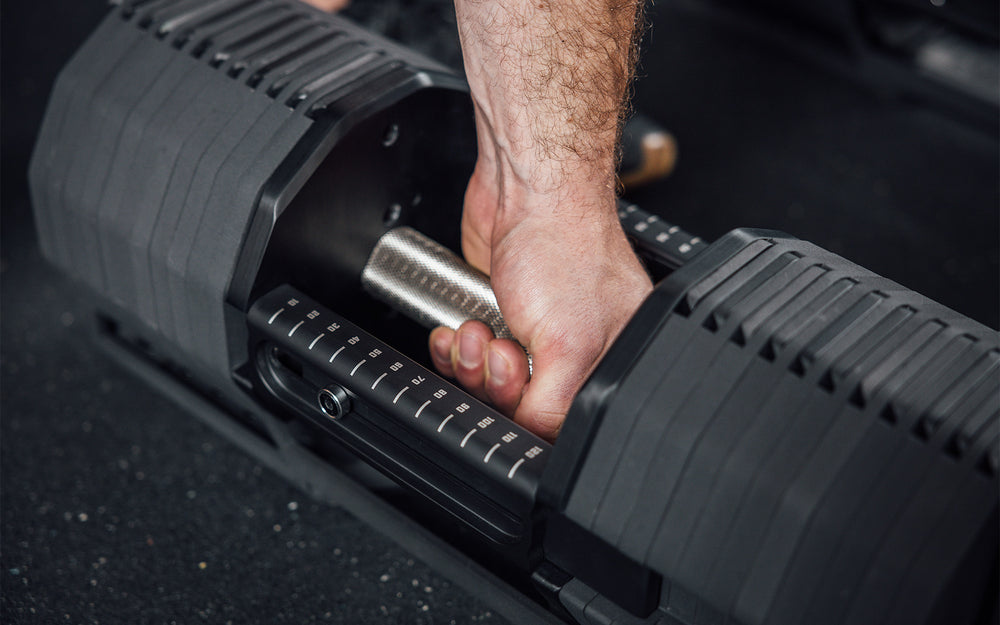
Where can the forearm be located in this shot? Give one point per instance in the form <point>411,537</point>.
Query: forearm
<point>549,79</point>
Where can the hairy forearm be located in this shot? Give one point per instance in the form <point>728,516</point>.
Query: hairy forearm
<point>550,80</point>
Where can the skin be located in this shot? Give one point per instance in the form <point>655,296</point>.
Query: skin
<point>549,80</point>
<point>329,5</point>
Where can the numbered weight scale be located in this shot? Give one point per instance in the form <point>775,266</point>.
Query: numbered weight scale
<point>328,367</point>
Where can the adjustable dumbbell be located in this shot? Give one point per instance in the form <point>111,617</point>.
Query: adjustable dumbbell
<point>250,190</point>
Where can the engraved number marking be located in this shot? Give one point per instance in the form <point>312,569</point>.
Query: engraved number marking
<point>490,452</point>
<point>468,436</point>
<point>513,469</point>
<point>446,420</point>
<point>421,409</point>
<point>337,352</point>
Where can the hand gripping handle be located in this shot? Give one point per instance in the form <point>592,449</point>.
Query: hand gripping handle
<point>435,287</point>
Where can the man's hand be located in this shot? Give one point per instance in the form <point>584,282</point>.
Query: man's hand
<point>567,282</point>
<point>548,80</point>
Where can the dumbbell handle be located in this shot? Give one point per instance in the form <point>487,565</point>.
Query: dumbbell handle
<point>429,283</point>
<point>435,287</point>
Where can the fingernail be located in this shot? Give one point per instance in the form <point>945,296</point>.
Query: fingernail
<point>442,347</point>
<point>499,367</point>
<point>470,350</point>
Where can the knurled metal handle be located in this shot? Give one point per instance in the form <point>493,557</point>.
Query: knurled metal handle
<point>429,283</point>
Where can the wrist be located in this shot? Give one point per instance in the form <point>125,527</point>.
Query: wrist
<point>569,193</point>
<point>536,163</point>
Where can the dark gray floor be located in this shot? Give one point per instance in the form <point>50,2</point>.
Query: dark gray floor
<point>117,507</point>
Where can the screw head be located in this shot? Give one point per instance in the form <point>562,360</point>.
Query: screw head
<point>333,401</point>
